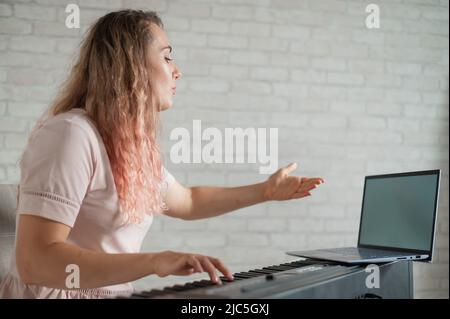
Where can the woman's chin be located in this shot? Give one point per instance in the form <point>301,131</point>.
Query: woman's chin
<point>165,107</point>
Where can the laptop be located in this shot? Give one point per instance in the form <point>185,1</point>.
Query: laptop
<point>398,220</point>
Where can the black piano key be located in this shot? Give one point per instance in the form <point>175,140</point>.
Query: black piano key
<point>282,268</point>
<point>203,283</point>
<point>287,266</point>
<point>295,265</point>
<point>261,271</point>
<point>272,266</point>
<point>248,273</point>
<point>199,285</point>
<point>309,262</point>
<point>169,289</point>
<point>292,265</point>
<point>272,269</point>
<point>179,287</point>
<point>190,285</point>
<point>299,264</point>
<point>244,275</point>
<point>240,277</point>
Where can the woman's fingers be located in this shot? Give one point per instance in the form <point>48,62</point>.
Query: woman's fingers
<point>210,269</point>
<point>308,184</point>
<point>314,180</point>
<point>210,264</point>
<point>305,188</point>
<point>195,264</point>
<point>182,264</point>
<point>289,168</point>
<point>301,195</point>
<point>221,267</point>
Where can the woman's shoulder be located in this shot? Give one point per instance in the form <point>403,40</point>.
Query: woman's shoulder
<point>74,118</point>
<point>69,130</point>
<point>73,125</point>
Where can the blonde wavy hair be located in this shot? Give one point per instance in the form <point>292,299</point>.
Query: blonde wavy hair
<point>111,80</point>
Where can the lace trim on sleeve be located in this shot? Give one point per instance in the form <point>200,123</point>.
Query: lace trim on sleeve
<point>52,196</point>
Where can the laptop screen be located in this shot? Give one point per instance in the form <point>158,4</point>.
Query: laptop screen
<point>399,210</point>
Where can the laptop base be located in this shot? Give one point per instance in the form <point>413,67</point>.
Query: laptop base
<point>355,255</point>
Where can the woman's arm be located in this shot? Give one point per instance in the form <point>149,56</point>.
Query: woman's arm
<point>42,256</point>
<point>207,201</point>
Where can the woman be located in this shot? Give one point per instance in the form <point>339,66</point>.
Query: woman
<point>92,177</point>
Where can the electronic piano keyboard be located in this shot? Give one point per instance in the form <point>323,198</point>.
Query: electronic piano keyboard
<point>299,279</point>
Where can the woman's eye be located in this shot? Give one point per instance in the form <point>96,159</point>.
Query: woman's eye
<point>168,59</point>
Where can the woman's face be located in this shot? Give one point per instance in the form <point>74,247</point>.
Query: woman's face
<point>164,71</point>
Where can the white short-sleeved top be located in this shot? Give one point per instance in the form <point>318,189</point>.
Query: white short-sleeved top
<point>66,177</point>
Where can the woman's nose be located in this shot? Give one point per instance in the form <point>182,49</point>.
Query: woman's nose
<point>177,73</point>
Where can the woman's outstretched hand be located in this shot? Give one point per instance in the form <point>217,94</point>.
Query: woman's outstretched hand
<point>281,186</point>
<point>183,264</point>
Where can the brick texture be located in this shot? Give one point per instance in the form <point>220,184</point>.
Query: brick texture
<point>347,101</point>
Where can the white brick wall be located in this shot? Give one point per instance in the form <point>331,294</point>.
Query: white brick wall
<point>348,101</point>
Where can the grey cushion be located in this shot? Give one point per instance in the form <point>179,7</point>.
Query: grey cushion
<point>8,205</point>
